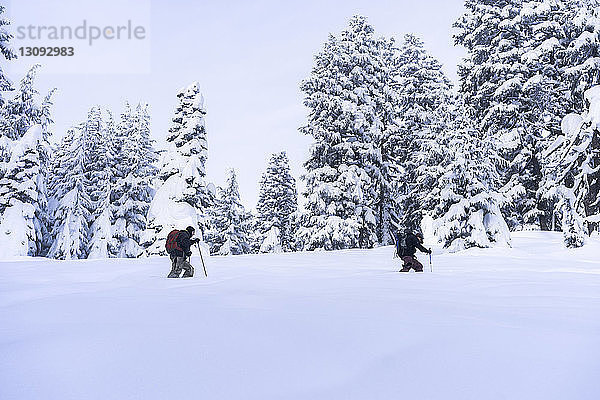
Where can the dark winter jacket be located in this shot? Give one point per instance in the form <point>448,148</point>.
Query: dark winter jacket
<point>184,241</point>
<point>412,244</point>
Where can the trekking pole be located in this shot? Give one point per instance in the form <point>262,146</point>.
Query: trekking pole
<point>430,264</point>
<point>202,259</point>
<point>395,247</point>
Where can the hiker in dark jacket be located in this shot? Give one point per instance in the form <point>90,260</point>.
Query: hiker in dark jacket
<point>181,253</point>
<point>412,242</point>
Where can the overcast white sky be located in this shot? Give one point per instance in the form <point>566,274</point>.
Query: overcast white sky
<point>248,56</point>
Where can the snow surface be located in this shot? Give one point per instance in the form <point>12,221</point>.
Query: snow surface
<point>500,323</point>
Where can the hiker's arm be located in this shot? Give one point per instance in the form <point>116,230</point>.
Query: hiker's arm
<point>423,249</point>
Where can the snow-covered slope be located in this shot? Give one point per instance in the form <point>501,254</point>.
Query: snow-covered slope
<point>520,323</point>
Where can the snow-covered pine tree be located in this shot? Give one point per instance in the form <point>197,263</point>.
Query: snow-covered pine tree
<point>183,196</point>
<point>529,64</point>
<point>7,53</point>
<point>468,213</point>
<point>344,95</point>
<point>133,191</point>
<point>545,100</point>
<point>493,80</point>
<point>99,170</point>
<point>23,110</point>
<point>230,224</point>
<point>83,169</point>
<point>565,63</point>
<point>22,197</point>
<point>572,176</point>
<point>277,201</point>
<point>24,161</point>
<point>425,95</point>
<point>386,134</point>
<point>70,199</point>
<point>579,59</point>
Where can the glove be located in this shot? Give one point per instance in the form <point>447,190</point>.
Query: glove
<point>430,251</point>
<point>195,241</point>
<point>189,254</point>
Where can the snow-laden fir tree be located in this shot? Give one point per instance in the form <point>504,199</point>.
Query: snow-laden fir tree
<point>70,199</point>
<point>580,20</point>
<point>346,95</point>
<point>21,111</point>
<point>277,202</point>
<point>183,196</point>
<point>229,234</point>
<point>572,177</point>
<point>99,169</point>
<point>132,193</point>
<point>492,81</point>
<point>24,161</point>
<point>80,188</point>
<point>543,94</point>
<point>468,213</point>
<point>7,52</point>
<point>22,223</point>
<point>425,95</point>
<point>529,64</point>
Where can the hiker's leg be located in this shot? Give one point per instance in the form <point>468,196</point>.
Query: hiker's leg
<point>187,267</point>
<point>174,271</point>
<point>418,267</point>
<point>406,263</point>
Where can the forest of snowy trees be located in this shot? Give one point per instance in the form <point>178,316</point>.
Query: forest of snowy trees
<point>513,146</point>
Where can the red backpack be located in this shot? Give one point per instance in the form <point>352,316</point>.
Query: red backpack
<point>171,244</point>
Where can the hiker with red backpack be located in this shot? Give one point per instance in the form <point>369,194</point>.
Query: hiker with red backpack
<point>407,244</point>
<point>178,247</point>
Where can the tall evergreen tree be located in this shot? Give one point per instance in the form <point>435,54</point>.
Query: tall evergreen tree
<point>277,202</point>
<point>7,52</point>
<point>24,158</point>
<point>21,111</point>
<point>425,97</point>
<point>345,95</point>
<point>529,64</point>
<point>183,196</point>
<point>572,176</point>
<point>230,225</point>
<point>468,210</point>
<point>23,197</point>
<point>581,49</point>
<point>492,81</point>
<point>135,187</point>
<point>98,176</point>
<point>71,202</point>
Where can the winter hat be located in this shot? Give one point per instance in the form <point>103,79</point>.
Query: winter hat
<point>190,230</point>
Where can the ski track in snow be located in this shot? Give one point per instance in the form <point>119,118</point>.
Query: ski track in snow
<point>520,323</point>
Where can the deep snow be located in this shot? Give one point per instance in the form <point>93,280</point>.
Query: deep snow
<point>520,323</point>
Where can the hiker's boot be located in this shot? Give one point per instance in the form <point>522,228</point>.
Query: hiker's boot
<point>174,274</point>
<point>189,273</point>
